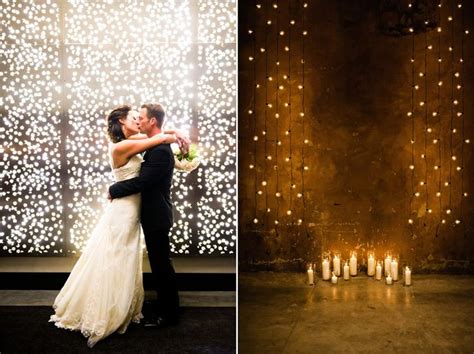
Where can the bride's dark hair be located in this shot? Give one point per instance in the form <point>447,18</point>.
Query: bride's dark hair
<point>114,127</point>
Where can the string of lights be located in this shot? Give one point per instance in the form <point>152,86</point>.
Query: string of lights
<point>451,123</point>
<point>288,49</point>
<point>267,106</point>
<point>411,114</point>
<point>40,168</point>
<point>277,104</point>
<point>437,113</point>
<point>251,112</point>
<point>426,129</point>
<point>278,112</point>
<point>303,112</point>
<point>463,137</point>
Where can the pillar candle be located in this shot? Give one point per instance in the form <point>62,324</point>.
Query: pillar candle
<point>346,271</point>
<point>371,265</point>
<point>407,276</point>
<point>336,263</point>
<point>394,269</point>
<point>387,265</point>
<point>353,265</point>
<point>388,280</point>
<point>378,272</point>
<point>334,278</point>
<point>325,269</point>
<point>310,275</point>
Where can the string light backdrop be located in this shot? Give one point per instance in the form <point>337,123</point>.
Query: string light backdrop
<point>64,64</point>
<point>330,159</point>
<point>277,112</point>
<point>438,134</point>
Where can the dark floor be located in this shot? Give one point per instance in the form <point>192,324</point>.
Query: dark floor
<point>201,330</point>
<point>279,313</point>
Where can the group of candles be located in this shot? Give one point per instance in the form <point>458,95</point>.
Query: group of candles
<point>390,267</point>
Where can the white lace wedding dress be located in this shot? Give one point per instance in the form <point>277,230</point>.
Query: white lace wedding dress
<point>104,291</point>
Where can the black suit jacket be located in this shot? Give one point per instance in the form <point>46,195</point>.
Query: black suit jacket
<point>154,183</point>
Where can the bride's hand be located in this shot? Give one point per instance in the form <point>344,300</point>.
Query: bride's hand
<point>181,136</point>
<point>184,145</point>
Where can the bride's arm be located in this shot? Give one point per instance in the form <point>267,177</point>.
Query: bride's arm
<point>129,147</point>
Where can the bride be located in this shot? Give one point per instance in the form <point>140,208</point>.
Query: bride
<point>104,291</point>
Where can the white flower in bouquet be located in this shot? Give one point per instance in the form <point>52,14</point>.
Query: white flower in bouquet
<point>187,162</point>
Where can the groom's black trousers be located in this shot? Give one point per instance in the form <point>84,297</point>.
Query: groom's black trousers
<point>163,274</point>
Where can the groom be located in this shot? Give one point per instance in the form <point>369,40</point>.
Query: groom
<point>154,183</point>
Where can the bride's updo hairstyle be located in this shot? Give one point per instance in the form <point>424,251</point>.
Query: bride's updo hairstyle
<point>114,127</point>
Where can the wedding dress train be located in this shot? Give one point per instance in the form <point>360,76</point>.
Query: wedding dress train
<point>104,291</point>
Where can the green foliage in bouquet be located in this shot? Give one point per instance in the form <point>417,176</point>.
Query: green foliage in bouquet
<point>191,155</point>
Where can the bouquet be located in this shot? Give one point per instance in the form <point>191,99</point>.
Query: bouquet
<point>187,162</point>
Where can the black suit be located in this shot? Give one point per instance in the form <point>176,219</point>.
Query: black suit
<point>154,184</point>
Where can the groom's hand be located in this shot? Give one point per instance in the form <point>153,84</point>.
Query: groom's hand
<point>109,197</point>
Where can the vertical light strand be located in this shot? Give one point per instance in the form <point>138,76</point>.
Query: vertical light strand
<point>303,110</point>
<point>425,104</point>
<point>289,212</point>
<point>267,78</point>
<point>461,60</point>
<point>277,114</point>
<point>452,157</point>
<point>411,114</point>
<point>440,126</point>
<point>253,111</point>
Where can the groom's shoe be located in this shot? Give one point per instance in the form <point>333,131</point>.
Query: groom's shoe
<point>162,321</point>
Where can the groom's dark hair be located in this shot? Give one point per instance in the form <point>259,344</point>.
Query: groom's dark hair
<point>155,111</point>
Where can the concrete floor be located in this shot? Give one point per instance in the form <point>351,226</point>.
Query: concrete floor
<point>279,313</point>
<point>187,298</point>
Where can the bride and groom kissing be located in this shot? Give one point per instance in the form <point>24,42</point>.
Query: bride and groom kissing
<point>104,291</point>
